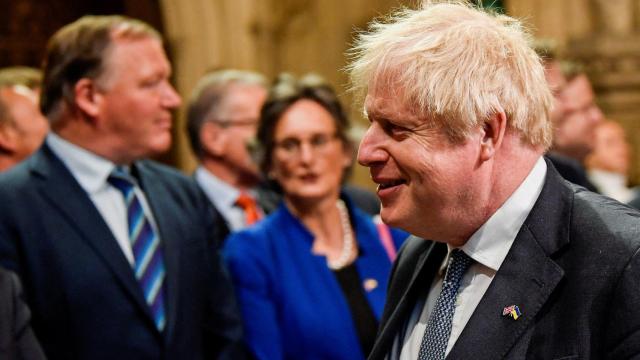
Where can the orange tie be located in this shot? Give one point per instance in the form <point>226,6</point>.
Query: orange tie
<point>250,208</point>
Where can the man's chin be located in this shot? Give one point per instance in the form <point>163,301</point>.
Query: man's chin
<point>158,148</point>
<point>388,217</point>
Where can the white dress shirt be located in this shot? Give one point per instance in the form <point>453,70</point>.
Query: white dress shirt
<point>224,197</point>
<point>488,247</point>
<point>613,185</point>
<point>91,171</point>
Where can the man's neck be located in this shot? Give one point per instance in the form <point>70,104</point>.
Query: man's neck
<point>504,178</point>
<point>83,135</point>
<point>242,182</point>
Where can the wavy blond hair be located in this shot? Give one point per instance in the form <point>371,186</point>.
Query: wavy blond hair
<point>457,65</point>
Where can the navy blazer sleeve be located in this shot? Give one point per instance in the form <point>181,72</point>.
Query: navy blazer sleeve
<point>17,340</point>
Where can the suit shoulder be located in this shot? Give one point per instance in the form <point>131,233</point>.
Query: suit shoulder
<point>165,171</point>
<point>172,177</point>
<point>605,222</point>
<point>162,180</point>
<point>16,176</point>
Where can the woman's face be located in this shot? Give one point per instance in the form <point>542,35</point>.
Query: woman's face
<point>308,159</point>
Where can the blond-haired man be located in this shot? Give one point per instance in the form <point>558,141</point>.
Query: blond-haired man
<point>518,262</point>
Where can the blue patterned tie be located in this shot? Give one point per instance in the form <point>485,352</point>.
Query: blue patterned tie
<point>147,252</point>
<point>436,334</point>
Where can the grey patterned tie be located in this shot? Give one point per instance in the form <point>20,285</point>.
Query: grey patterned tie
<point>438,330</point>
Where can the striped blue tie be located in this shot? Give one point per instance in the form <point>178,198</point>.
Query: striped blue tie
<point>147,252</point>
<point>436,334</point>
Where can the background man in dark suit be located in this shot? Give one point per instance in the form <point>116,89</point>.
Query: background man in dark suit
<point>118,255</point>
<point>519,262</point>
<point>575,116</point>
<point>222,119</point>
<point>17,340</point>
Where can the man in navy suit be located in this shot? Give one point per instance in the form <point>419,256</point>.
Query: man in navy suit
<point>509,260</point>
<point>118,255</point>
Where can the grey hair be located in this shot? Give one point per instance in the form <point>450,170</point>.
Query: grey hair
<point>207,96</point>
<point>456,64</point>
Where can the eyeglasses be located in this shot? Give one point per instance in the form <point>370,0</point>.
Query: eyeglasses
<point>293,146</point>
<point>247,122</point>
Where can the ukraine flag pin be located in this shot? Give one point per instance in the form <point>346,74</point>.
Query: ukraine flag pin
<point>513,311</point>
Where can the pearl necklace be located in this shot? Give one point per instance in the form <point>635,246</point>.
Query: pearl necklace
<point>347,239</point>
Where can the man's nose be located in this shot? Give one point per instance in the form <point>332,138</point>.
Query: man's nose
<point>370,151</point>
<point>171,99</point>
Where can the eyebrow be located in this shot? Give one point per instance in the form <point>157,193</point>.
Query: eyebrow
<point>375,113</point>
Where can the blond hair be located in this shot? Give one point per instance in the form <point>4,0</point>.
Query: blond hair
<point>457,65</point>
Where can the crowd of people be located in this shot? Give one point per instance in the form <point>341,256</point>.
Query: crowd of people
<point>487,238</point>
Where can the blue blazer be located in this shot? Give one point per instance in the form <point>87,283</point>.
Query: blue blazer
<point>291,302</point>
<point>85,299</point>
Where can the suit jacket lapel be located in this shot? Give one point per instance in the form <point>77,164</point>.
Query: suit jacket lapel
<point>402,299</point>
<point>169,231</point>
<point>526,278</point>
<point>63,192</point>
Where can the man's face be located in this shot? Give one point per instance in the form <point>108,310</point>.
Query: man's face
<point>575,130</point>
<point>28,127</point>
<point>426,183</point>
<point>611,152</point>
<point>136,100</point>
<point>238,117</point>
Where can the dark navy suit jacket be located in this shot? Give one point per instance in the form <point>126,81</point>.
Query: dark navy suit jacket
<point>573,270</point>
<point>17,340</point>
<point>85,299</point>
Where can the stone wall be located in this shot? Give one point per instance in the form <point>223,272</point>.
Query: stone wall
<point>604,35</point>
<point>299,36</point>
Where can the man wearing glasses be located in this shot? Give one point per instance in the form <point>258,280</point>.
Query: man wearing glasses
<point>222,119</point>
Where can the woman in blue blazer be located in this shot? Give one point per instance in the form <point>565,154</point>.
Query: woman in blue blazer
<point>312,277</point>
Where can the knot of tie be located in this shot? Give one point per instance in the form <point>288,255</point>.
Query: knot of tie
<point>121,180</point>
<point>458,264</point>
<point>248,204</point>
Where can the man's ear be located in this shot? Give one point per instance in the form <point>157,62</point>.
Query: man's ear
<point>8,139</point>
<point>213,139</point>
<point>493,132</point>
<point>87,97</point>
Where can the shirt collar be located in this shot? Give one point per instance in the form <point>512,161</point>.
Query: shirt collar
<point>490,244</point>
<point>219,192</point>
<point>89,169</point>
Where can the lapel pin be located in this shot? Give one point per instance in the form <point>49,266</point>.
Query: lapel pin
<point>512,311</point>
<point>370,284</point>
